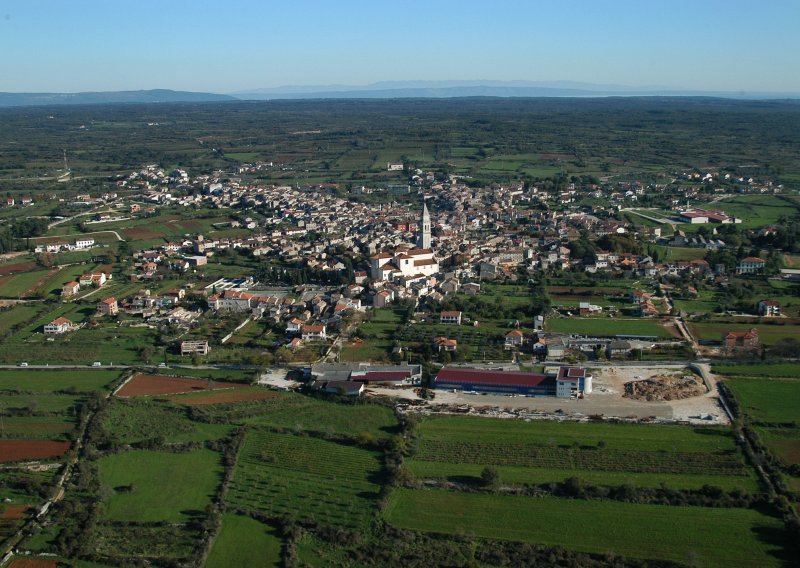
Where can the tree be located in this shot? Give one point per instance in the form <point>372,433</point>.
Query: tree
<point>490,477</point>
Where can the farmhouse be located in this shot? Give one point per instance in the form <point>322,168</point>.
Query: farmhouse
<point>450,318</point>
<point>445,344</point>
<point>567,382</point>
<point>514,338</point>
<point>70,289</point>
<point>741,339</point>
<point>59,325</point>
<point>314,333</point>
<point>769,308</point>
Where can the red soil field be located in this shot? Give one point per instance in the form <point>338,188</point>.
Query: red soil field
<point>18,450</point>
<point>140,234</point>
<point>33,563</point>
<point>144,385</point>
<point>16,267</point>
<point>13,512</point>
<point>224,397</point>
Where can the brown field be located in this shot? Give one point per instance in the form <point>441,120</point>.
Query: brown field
<point>585,291</point>
<point>13,512</point>
<point>140,234</point>
<point>787,450</point>
<point>33,563</point>
<point>18,450</point>
<point>557,156</point>
<point>188,224</point>
<point>145,385</point>
<point>16,267</point>
<point>224,397</point>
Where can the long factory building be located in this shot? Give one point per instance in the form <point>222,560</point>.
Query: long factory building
<point>561,382</point>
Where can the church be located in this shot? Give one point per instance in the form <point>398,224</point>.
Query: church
<point>406,261</point>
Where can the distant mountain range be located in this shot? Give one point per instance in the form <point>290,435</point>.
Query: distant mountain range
<point>103,97</point>
<point>382,90</point>
<point>446,89</point>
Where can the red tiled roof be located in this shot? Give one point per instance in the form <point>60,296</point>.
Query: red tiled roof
<point>478,376</point>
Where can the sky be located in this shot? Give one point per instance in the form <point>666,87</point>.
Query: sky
<point>225,46</point>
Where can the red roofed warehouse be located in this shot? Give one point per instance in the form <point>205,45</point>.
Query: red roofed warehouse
<point>568,382</point>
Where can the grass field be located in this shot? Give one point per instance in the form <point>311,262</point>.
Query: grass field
<point>768,334</point>
<point>44,381</point>
<point>777,370</point>
<point>604,454</point>
<point>768,400</point>
<point>299,412</point>
<point>167,486</point>
<point>691,535</point>
<point>282,475</point>
<point>244,542</point>
<point>134,421</point>
<point>607,327</point>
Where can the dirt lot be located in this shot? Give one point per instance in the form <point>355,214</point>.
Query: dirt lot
<point>606,399</point>
<point>144,385</point>
<point>19,450</point>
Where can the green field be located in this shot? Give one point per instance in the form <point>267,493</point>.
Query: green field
<point>777,370</point>
<point>88,380</point>
<point>288,476</point>
<point>691,535</point>
<point>607,327</point>
<point>601,453</point>
<point>768,334</point>
<point>298,412</point>
<point>167,486</point>
<point>136,420</point>
<point>768,400</point>
<point>244,542</point>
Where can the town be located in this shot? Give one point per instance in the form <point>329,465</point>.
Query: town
<point>586,340</point>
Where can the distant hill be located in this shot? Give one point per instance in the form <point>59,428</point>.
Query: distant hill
<point>447,89</point>
<point>89,98</point>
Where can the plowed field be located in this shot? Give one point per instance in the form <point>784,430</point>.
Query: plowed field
<point>148,385</point>
<point>18,450</point>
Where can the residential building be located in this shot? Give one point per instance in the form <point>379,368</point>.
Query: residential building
<point>769,308</point>
<point>107,307</point>
<point>450,318</point>
<point>59,325</point>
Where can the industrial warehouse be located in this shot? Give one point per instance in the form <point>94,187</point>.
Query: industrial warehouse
<point>561,382</point>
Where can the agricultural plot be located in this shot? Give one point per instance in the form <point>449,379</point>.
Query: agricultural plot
<point>310,479</point>
<point>66,380</point>
<point>774,370</point>
<point>480,342</point>
<point>137,420</point>
<point>120,543</point>
<point>707,536</point>
<point>768,334</point>
<point>154,385</point>
<point>603,454</point>
<point>226,396</point>
<point>608,327</point>
<point>768,401</point>
<point>758,210</point>
<point>302,413</point>
<point>244,542</point>
<point>31,450</point>
<point>152,486</point>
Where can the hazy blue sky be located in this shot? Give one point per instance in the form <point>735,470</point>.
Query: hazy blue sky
<point>230,45</point>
